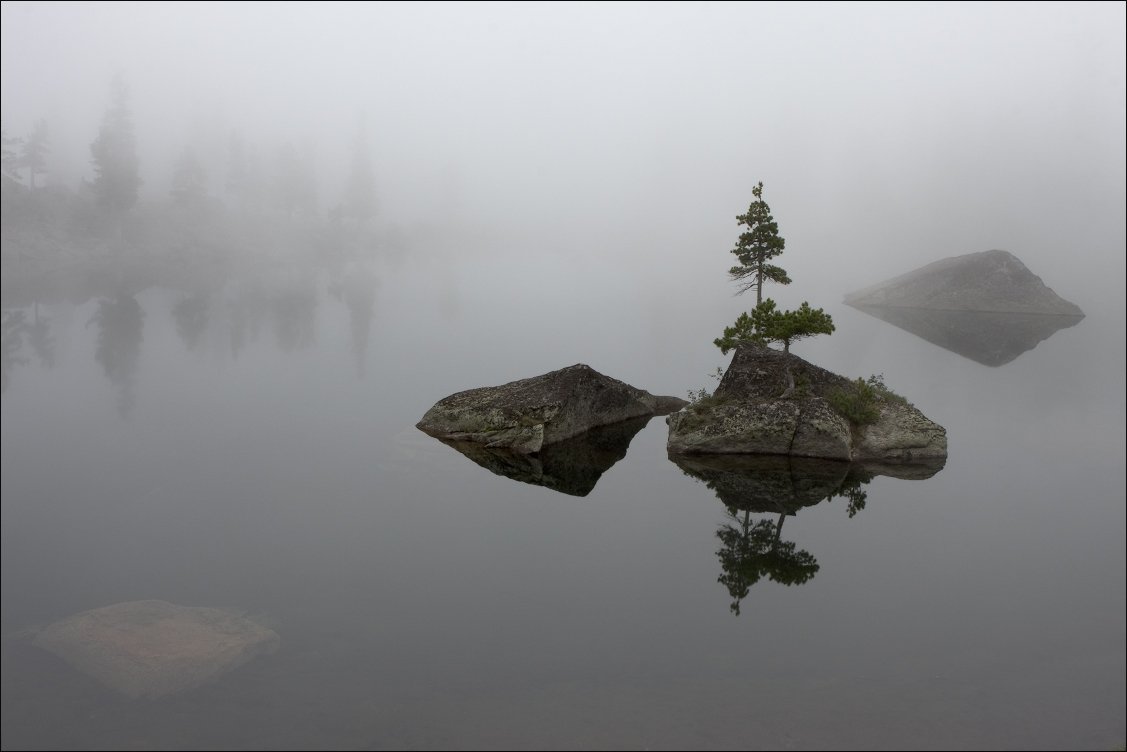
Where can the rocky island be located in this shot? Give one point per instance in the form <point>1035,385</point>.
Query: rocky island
<point>527,415</point>
<point>775,403</point>
<point>827,417</point>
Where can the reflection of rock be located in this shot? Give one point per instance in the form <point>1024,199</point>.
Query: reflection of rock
<point>992,339</point>
<point>572,466</point>
<point>529,414</point>
<point>754,549</point>
<point>154,648</point>
<point>783,485</point>
<point>745,416</point>
<point>766,484</point>
<point>990,281</point>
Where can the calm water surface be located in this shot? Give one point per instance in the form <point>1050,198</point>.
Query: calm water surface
<point>253,447</point>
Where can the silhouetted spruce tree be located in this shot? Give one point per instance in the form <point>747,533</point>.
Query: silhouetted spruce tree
<point>295,189</point>
<point>189,184</point>
<point>33,156</point>
<point>10,163</point>
<point>245,180</point>
<point>115,154</point>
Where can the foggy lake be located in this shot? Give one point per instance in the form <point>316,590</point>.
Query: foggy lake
<point>423,601</point>
<point>247,246</point>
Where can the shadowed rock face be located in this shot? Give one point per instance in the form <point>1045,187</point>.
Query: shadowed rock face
<point>572,466</point>
<point>992,339</point>
<point>527,415</point>
<point>745,416</point>
<point>153,648</point>
<point>994,281</point>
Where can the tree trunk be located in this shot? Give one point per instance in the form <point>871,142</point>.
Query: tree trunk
<point>789,391</point>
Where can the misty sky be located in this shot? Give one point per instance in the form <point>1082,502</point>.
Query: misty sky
<point>888,135</point>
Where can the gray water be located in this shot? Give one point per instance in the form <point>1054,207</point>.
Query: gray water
<point>253,447</point>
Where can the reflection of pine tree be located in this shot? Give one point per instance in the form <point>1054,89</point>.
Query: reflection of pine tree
<point>236,313</point>
<point>245,314</point>
<point>753,551</point>
<point>360,297</point>
<point>854,492</point>
<point>40,339</point>
<point>120,323</point>
<point>11,341</point>
<point>293,319</point>
<point>191,314</point>
<point>778,486</point>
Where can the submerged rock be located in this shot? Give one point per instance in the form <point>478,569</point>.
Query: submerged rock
<point>572,466</point>
<point>527,415</point>
<point>995,281</point>
<point>746,416</point>
<point>154,648</point>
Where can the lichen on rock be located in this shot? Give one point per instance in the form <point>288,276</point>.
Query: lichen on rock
<point>526,415</point>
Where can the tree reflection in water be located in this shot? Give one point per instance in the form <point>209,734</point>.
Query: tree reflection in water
<point>191,314</point>
<point>120,321</point>
<point>753,549</point>
<point>11,342</point>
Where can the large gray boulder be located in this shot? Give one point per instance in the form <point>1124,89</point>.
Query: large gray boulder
<point>527,415</point>
<point>994,281</point>
<point>745,415</point>
<point>154,648</point>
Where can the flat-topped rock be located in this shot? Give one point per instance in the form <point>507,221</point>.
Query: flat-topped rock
<point>995,281</point>
<point>527,415</point>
